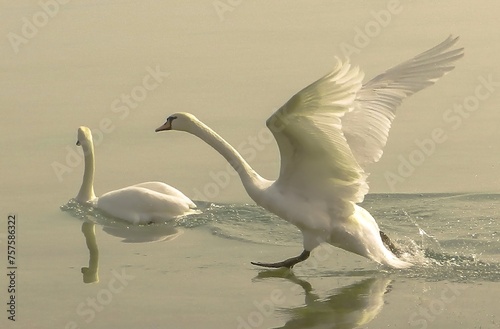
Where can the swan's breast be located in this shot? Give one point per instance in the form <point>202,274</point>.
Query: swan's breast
<point>303,211</point>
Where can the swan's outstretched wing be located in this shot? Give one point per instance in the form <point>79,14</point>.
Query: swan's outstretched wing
<point>315,156</point>
<point>328,131</point>
<point>366,127</point>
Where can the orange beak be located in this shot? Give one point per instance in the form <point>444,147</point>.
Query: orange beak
<point>166,126</point>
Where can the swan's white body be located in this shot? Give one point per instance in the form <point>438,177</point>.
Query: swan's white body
<point>138,204</point>
<point>327,134</point>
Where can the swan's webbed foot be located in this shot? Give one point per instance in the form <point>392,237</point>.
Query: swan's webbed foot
<point>288,263</point>
<point>388,243</point>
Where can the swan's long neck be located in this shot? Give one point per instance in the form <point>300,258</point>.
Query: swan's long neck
<point>87,190</point>
<point>252,181</point>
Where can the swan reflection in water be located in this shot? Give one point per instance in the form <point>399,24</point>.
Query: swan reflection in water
<point>91,273</point>
<point>134,234</point>
<point>351,306</point>
<point>154,232</point>
<point>127,233</point>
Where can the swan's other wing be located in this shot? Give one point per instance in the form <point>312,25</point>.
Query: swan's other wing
<point>140,205</point>
<point>166,189</point>
<point>315,156</point>
<point>366,127</point>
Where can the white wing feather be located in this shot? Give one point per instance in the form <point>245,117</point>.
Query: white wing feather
<point>366,127</point>
<point>308,129</point>
<point>166,189</point>
<point>330,130</point>
<point>145,202</point>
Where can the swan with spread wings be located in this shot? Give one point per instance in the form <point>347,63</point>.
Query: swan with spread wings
<point>327,134</point>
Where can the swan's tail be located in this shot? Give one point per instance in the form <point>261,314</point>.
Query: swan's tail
<point>375,244</point>
<point>395,251</point>
<point>390,254</point>
<point>395,262</point>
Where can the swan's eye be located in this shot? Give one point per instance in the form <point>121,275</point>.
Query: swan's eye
<point>170,119</point>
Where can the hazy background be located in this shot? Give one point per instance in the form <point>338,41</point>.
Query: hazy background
<point>231,65</point>
<point>232,69</point>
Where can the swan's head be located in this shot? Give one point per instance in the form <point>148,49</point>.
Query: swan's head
<point>178,121</point>
<point>84,136</point>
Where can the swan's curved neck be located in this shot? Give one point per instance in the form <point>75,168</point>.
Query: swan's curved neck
<point>87,189</point>
<point>252,181</point>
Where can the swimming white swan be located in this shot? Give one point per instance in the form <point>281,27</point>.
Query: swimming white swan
<point>139,204</point>
<point>326,134</point>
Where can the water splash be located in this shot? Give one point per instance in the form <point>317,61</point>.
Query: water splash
<point>447,238</point>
